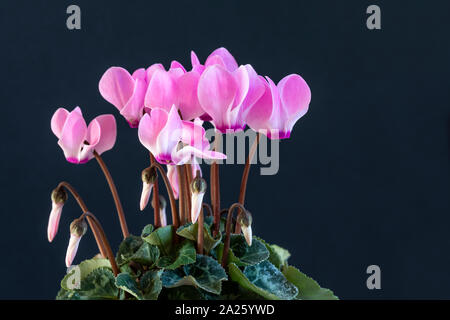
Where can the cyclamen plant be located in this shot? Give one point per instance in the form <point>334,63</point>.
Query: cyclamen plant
<point>205,253</point>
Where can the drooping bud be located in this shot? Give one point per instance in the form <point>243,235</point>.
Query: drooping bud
<point>198,189</point>
<point>149,176</point>
<point>162,210</point>
<point>77,229</point>
<point>244,218</point>
<point>59,197</point>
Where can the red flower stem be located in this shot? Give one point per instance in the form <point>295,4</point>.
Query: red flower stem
<point>84,208</point>
<point>187,190</point>
<point>226,247</point>
<point>244,180</point>
<point>200,232</point>
<point>208,207</point>
<point>156,217</point>
<point>216,184</point>
<point>115,194</point>
<point>102,235</point>
<point>181,195</point>
<point>173,206</point>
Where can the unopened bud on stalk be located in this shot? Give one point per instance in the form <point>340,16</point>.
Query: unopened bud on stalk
<point>198,189</point>
<point>149,176</point>
<point>162,210</point>
<point>77,229</point>
<point>244,218</point>
<point>59,197</point>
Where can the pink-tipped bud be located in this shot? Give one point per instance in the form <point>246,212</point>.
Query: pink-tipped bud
<point>77,230</point>
<point>59,197</point>
<point>198,189</point>
<point>148,179</point>
<point>245,220</point>
<point>162,211</point>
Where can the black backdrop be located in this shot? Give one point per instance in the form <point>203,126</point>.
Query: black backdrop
<point>363,180</point>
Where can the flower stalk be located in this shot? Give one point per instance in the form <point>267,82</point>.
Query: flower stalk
<point>100,233</point>
<point>226,247</point>
<point>245,174</point>
<point>215,186</point>
<point>84,209</point>
<point>115,194</point>
<point>200,232</point>
<point>156,209</point>
<point>173,206</point>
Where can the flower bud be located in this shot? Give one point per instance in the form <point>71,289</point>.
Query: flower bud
<point>149,176</point>
<point>198,189</point>
<point>244,218</point>
<point>198,185</point>
<point>77,229</point>
<point>59,197</point>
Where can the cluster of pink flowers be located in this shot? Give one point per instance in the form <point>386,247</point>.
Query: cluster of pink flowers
<point>220,91</point>
<point>169,106</point>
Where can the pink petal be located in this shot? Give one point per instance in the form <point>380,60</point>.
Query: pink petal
<point>193,134</point>
<point>196,205</point>
<point>151,70</point>
<point>185,154</point>
<point>216,60</point>
<point>256,88</point>
<point>53,221</point>
<point>107,134</point>
<point>226,56</point>
<point>134,108</point>
<point>161,91</point>
<point>243,84</point>
<point>172,175</point>
<point>170,134</point>
<point>72,249</point>
<point>176,65</point>
<point>194,59</point>
<point>145,195</point>
<point>216,92</point>
<point>140,73</point>
<point>187,96</point>
<point>295,95</point>
<point>163,217</point>
<point>73,136</point>
<point>258,115</point>
<point>149,128</point>
<point>58,120</point>
<point>116,86</point>
<point>247,232</point>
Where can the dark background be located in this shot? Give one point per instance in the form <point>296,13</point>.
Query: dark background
<point>363,180</point>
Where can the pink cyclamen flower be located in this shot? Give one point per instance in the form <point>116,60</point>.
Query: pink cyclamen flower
<point>59,197</point>
<point>174,87</point>
<point>172,175</point>
<point>78,140</point>
<point>279,108</point>
<point>227,95</point>
<point>77,230</point>
<point>126,92</point>
<point>219,56</point>
<point>161,132</point>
